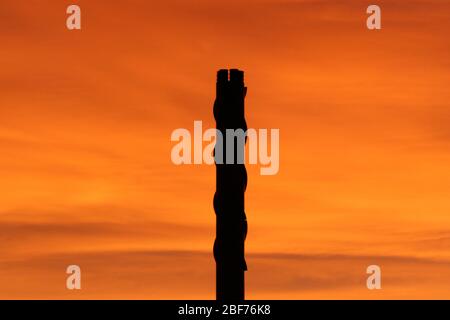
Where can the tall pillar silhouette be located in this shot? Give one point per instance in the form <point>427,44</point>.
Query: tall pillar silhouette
<point>231,183</point>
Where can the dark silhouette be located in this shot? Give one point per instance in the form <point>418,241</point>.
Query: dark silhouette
<point>231,183</point>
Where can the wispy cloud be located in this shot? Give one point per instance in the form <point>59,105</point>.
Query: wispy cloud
<point>190,275</point>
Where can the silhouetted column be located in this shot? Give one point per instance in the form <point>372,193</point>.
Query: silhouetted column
<point>231,183</point>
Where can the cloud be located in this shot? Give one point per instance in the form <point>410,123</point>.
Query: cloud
<point>86,229</point>
<point>171,274</point>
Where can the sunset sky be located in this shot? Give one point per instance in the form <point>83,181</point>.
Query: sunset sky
<point>86,176</point>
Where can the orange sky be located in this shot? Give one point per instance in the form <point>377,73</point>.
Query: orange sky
<point>85,170</point>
